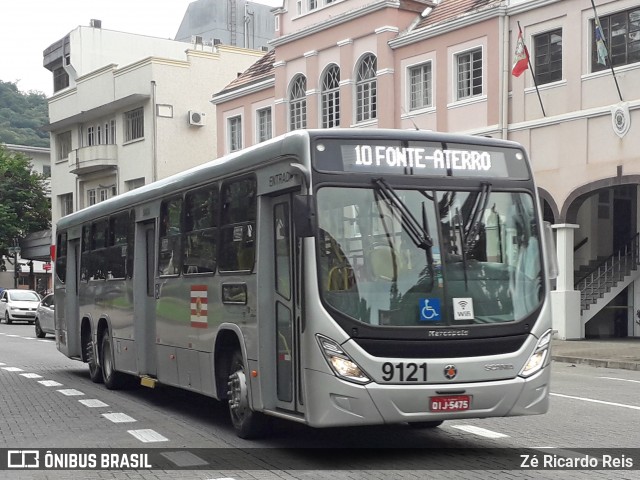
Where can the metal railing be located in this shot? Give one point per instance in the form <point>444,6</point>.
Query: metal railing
<point>608,273</point>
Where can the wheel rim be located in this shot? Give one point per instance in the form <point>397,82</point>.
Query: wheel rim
<point>238,398</point>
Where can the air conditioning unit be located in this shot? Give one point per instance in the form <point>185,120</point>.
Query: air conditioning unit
<point>196,118</point>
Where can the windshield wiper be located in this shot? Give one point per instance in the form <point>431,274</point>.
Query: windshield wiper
<point>472,227</point>
<point>419,234</point>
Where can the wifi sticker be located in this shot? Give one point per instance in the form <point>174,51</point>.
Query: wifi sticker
<point>463,308</point>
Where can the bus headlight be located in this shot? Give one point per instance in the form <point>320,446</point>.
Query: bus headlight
<point>341,364</point>
<point>539,356</point>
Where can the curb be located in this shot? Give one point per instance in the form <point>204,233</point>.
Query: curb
<point>598,363</point>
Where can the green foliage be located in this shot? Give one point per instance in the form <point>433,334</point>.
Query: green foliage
<point>24,206</point>
<point>22,116</point>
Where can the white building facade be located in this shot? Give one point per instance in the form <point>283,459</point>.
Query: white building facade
<point>130,109</point>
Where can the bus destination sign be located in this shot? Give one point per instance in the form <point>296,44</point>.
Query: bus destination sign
<point>420,159</point>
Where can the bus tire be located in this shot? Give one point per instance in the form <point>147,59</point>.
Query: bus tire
<point>433,424</point>
<point>95,370</point>
<point>247,423</point>
<point>113,380</point>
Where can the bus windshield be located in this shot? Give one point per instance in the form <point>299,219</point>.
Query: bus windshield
<point>428,257</point>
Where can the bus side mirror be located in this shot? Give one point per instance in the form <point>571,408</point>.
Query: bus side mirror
<point>304,219</point>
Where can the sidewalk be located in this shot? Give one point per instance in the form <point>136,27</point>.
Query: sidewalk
<point>609,353</point>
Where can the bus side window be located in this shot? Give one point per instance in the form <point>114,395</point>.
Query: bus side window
<point>170,261</point>
<point>201,232</point>
<point>238,225</point>
<point>61,257</point>
<point>117,245</point>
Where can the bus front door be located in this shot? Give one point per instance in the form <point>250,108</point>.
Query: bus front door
<point>288,384</point>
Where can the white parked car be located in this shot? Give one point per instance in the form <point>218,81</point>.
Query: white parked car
<point>44,317</point>
<point>19,305</point>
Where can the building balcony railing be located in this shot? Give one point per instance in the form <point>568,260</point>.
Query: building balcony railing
<point>93,159</point>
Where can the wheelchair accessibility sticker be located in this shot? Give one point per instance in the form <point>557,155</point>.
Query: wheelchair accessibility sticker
<point>430,309</point>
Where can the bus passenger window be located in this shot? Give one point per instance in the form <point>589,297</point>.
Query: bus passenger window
<point>237,230</point>
<point>169,261</point>
<point>201,232</point>
<point>61,257</point>
<point>117,246</point>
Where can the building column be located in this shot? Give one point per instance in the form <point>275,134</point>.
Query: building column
<point>565,300</point>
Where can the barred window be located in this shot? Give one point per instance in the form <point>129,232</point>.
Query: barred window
<point>298,103</point>
<point>469,74</point>
<point>66,204</point>
<point>265,128</point>
<point>420,92</point>
<point>134,124</point>
<point>331,97</point>
<point>63,142</point>
<point>622,37</point>
<point>366,89</point>
<point>548,56</point>
<point>235,133</point>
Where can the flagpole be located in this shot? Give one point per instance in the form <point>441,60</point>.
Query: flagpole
<point>615,79</point>
<point>533,74</point>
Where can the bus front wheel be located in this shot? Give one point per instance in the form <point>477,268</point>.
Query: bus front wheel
<point>113,380</point>
<point>248,424</point>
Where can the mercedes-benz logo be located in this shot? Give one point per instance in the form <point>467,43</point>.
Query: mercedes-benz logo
<point>450,372</point>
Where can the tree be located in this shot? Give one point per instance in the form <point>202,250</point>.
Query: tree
<point>22,116</point>
<point>24,206</point>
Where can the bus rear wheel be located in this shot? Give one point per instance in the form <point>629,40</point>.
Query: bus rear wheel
<point>247,423</point>
<point>113,380</point>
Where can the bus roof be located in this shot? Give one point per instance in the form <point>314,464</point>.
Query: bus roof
<point>291,143</point>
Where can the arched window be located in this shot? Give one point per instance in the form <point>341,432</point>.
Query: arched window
<point>331,97</point>
<point>366,89</point>
<point>298,103</point>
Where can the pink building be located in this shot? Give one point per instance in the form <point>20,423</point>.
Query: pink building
<point>446,65</point>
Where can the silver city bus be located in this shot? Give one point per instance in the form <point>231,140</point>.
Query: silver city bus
<point>330,277</point>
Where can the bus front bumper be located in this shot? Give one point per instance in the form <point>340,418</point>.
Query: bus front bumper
<point>333,402</point>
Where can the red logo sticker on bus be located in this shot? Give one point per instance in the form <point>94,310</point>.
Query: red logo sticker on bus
<point>199,306</point>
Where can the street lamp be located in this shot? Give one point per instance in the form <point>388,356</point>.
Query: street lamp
<point>16,273</point>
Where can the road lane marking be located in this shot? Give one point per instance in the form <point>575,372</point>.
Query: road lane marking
<point>93,403</point>
<point>621,379</point>
<point>28,338</point>
<point>71,392</point>
<point>16,336</point>
<point>148,435</point>
<point>30,375</point>
<point>612,404</point>
<point>50,383</point>
<point>12,369</point>
<point>119,417</point>
<point>483,432</point>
